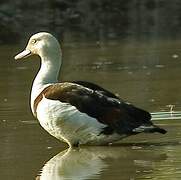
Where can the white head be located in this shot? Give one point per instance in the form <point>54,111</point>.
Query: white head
<point>42,44</point>
<point>47,47</point>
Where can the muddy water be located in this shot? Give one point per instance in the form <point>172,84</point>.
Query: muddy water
<point>146,74</point>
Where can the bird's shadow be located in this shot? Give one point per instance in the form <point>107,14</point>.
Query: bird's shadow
<point>92,162</point>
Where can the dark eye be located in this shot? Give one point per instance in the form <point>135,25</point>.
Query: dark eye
<point>33,41</point>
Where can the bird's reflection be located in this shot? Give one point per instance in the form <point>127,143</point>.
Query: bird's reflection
<point>93,162</point>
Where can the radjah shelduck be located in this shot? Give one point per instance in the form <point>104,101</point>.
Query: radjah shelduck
<point>79,112</point>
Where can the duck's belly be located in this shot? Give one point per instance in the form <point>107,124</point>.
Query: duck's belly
<point>66,123</point>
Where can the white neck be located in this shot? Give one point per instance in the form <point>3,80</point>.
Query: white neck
<point>48,74</point>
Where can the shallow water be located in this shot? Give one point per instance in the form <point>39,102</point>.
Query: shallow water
<point>146,74</point>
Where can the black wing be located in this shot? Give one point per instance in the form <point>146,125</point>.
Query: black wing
<point>95,87</point>
<point>132,110</point>
<point>119,116</point>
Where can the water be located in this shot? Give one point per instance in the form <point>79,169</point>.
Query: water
<point>146,74</point>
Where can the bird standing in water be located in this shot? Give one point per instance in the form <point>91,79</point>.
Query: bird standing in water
<point>79,112</point>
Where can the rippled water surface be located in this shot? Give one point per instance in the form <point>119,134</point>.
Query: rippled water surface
<point>146,74</point>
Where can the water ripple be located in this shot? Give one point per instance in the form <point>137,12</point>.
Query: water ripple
<point>166,115</point>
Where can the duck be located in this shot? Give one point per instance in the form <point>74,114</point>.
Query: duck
<point>79,112</point>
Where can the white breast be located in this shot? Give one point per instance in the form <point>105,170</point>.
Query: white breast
<point>64,121</point>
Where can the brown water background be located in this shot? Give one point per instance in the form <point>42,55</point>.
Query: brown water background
<point>132,48</point>
<point>146,74</point>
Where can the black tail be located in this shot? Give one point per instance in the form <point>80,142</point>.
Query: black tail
<point>158,129</point>
<point>149,129</point>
